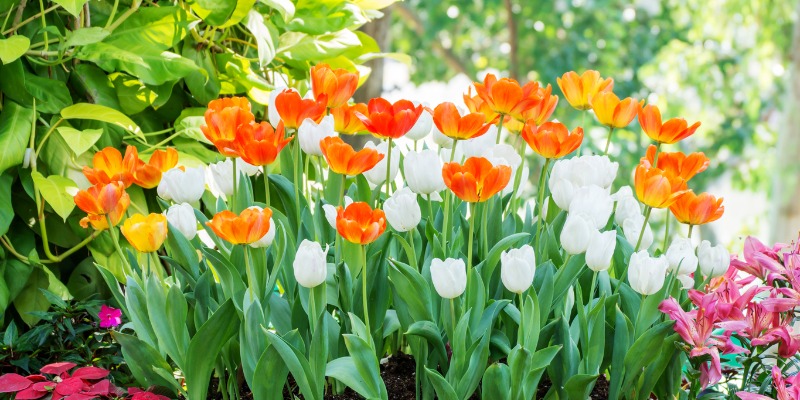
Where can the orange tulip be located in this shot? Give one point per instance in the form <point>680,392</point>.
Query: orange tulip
<point>338,85</point>
<point>345,119</point>
<point>342,159</point>
<point>259,144</point>
<point>390,121</point>
<point>224,119</point>
<point>148,175</point>
<point>579,89</point>
<point>475,104</point>
<point>657,188</point>
<point>697,209</point>
<point>110,166</point>
<point>613,112</point>
<point>359,223</point>
<point>477,180</point>
<point>101,200</point>
<point>505,96</point>
<point>293,109</point>
<point>450,122</point>
<point>100,222</point>
<point>678,163</point>
<point>249,226</point>
<point>145,233</point>
<point>552,139</point>
<point>671,131</point>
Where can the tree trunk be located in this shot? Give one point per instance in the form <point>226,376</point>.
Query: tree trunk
<point>786,174</point>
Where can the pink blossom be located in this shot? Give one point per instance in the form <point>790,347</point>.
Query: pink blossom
<point>109,316</point>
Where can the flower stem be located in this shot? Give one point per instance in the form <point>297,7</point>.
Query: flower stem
<point>484,235</point>
<point>473,206</point>
<point>115,240</point>
<point>521,333</point>
<point>252,283</point>
<point>540,200</point>
<point>452,317</point>
<point>499,128</point>
<point>691,227</point>
<point>647,212</point>
<point>591,290</point>
<point>232,206</point>
<point>413,261</point>
<point>364,292</point>
<point>266,187</point>
<point>388,167</point>
<point>608,141</point>
<point>666,233</point>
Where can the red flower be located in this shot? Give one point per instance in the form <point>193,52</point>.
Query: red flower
<point>390,121</point>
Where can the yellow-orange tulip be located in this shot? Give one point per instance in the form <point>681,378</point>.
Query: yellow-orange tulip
<point>100,201</point>
<point>337,85</point>
<point>579,89</point>
<point>249,226</point>
<point>148,174</point>
<point>697,209</point>
<point>145,233</point>
<point>477,180</point>
<point>613,112</point>
<point>678,163</point>
<point>450,122</point>
<point>259,144</point>
<point>223,120</point>
<point>506,96</point>
<point>657,188</point>
<point>552,139</point>
<point>293,109</point>
<point>359,223</point>
<point>110,166</point>
<point>669,132</point>
<point>345,119</point>
<point>342,159</point>
<point>475,104</point>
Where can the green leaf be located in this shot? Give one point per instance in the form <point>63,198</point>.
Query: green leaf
<point>497,382</point>
<point>206,346</point>
<point>344,370</point>
<point>271,376</point>
<point>13,48</point>
<point>284,7</point>
<point>214,12</point>
<point>56,191</point>
<point>151,66</point>
<point>51,94</point>
<point>84,36</point>
<point>31,299</point>
<point>72,6</point>
<point>152,30</point>
<point>366,364</point>
<point>243,7</point>
<point>649,343</point>
<point>430,332</point>
<point>580,386</point>
<point>6,211</point>
<point>79,141</point>
<point>134,96</point>
<point>302,47</point>
<point>15,132</point>
<point>298,366</point>
<point>264,33</point>
<point>97,112</point>
<point>146,364</point>
<point>444,390</point>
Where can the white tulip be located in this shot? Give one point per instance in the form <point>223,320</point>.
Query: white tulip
<point>310,265</point>
<point>585,170</point>
<point>449,277</point>
<point>687,282</point>
<point>594,202</point>
<point>272,111</point>
<point>181,217</point>
<point>476,147</point>
<point>627,207</point>
<point>440,139</point>
<point>330,211</point>
<point>680,256</point>
<point>220,175</point>
<point>517,268</point>
<point>402,210</point>
<point>622,193</point>
<point>422,128</point>
<point>646,274</point>
<point>423,172</point>
<point>601,250</point>
<point>632,226</point>
<point>714,261</point>
<point>182,186</point>
<point>563,191</point>
<point>577,233</point>
<point>505,152</point>
<point>309,134</point>
<point>268,237</point>
<point>377,175</point>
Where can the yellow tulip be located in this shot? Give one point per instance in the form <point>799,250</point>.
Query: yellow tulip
<point>145,233</point>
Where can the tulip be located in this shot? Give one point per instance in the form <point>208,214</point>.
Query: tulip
<point>390,121</point>
<point>293,109</point>
<point>422,128</point>
<point>506,97</point>
<point>223,120</point>
<point>110,166</point>
<point>477,180</point>
<point>594,203</point>
<point>449,277</point>
<point>417,166</point>
<point>245,228</point>
<point>586,170</point>
<point>145,233</point>
<point>552,139</point>
<point>148,174</point>
<point>102,202</point>
<point>342,159</point>
<point>220,175</point>
<point>402,210</point>
<point>505,154</point>
<point>632,228</point>
<point>259,144</point>
<point>182,185</point>
<point>477,147</point>
<point>440,139</point>
<point>345,118</point>
<point>475,104</point>
<point>657,188</point>
<point>540,113</point>
<point>109,316</point>
<point>181,217</point>
<point>310,134</point>
<point>577,233</point>
<point>331,213</point>
<point>272,110</point>
<point>580,89</point>
<point>100,222</point>
<point>671,131</point>
<point>359,223</point>
<point>680,256</point>
<point>268,237</point>
<point>687,282</point>
<point>714,261</point>
<point>612,112</point>
<point>627,206</point>
<point>337,85</point>
<point>310,265</point>
<point>600,250</point>
<point>697,209</point>
<point>449,121</point>
<point>562,191</point>
<point>517,268</point>
<point>677,162</point>
<point>646,274</point>
<point>377,174</point>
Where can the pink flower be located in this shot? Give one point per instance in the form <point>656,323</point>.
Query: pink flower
<point>783,391</point>
<point>761,261</point>
<point>139,394</point>
<point>109,316</point>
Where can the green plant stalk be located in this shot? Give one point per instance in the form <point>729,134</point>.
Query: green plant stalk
<point>499,128</point>
<point>32,17</point>
<point>446,216</point>
<point>431,217</point>
<point>608,141</point>
<point>484,234</point>
<point>388,168</point>
<point>232,206</point>
<point>413,249</point>
<point>521,333</point>
<point>690,231</point>
<point>473,206</point>
<point>591,290</point>
<point>312,318</point>
<point>453,316</point>
<point>134,7</point>
<point>666,233</point>
<point>297,180</point>
<point>115,239</point>
<point>540,201</point>
<point>44,25</point>
<point>364,294</point>
<point>307,183</point>
<point>647,211</point>
<point>47,135</point>
<point>512,203</point>
<point>266,187</point>
<point>252,283</point>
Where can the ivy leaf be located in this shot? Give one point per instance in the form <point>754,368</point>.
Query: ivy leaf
<point>55,190</point>
<point>80,141</point>
<point>13,48</point>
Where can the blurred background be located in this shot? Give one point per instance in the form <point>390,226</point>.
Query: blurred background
<point>726,63</point>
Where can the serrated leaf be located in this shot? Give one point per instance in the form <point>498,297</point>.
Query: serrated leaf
<point>79,141</point>
<point>13,48</point>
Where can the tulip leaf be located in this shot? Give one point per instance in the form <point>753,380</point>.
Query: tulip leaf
<point>444,390</point>
<point>496,382</point>
<point>55,190</point>
<point>412,289</point>
<point>430,332</point>
<point>271,376</point>
<point>580,386</point>
<point>96,112</point>
<point>13,48</point>
<point>566,276</point>
<point>298,366</point>
<point>649,343</point>
<point>344,370</point>
<point>145,362</point>
<point>79,141</point>
<point>486,267</point>
<point>205,347</point>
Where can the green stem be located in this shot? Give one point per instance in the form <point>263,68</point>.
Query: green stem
<point>115,240</point>
<point>266,187</point>
<point>252,283</point>
<point>655,157</point>
<point>413,249</point>
<point>691,227</point>
<point>512,204</point>
<point>388,167</point>
<point>113,13</point>
<point>44,25</point>
<point>47,135</point>
<point>521,333</point>
<point>540,201</point>
<point>647,212</point>
<point>499,128</point>
<point>312,318</point>
<point>232,206</point>
<point>591,291</point>
<point>134,7</point>
<point>364,293</point>
<point>470,237</point>
<point>666,233</point>
<point>484,234</point>
<point>32,17</point>
<point>452,317</point>
<point>297,179</point>
<point>430,209</point>
<point>608,141</point>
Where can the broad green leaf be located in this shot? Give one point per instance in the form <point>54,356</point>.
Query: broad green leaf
<point>84,36</point>
<point>271,376</point>
<point>302,47</point>
<point>580,386</point>
<point>56,191</point>
<point>206,346</point>
<point>31,299</point>
<point>51,94</point>
<point>13,48</point>
<point>243,7</point>
<point>134,96</point>
<point>97,112</point>
<point>79,141</point>
<point>284,7</point>
<point>264,33</point>
<point>323,19</point>
<point>497,382</point>
<point>430,332</point>
<point>15,132</point>
<point>373,4</point>
<point>152,29</point>
<point>214,12</point>
<point>344,370</point>
<point>6,211</point>
<point>153,67</point>
<point>72,6</point>
<point>146,364</point>
<point>298,366</point>
<point>444,390</point>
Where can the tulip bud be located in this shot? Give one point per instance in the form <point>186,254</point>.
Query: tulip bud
<point>310,134</point>
<point>182,186</point>
<point>576,234</point>
<point>626,207</point>
<point>517,268</point>
<point>422,128</point>
<point>268,237</point>
<point>680,256</point>
<point>449,277</point>
<point>714,261</point>
<point>563,191</point>
<point>377,175</point>
<point>402,210</point>
<point>310,265</point>
<point>595,203</point>
<point>687,282</point>
<point>220,175</point>
<point>505,154</point>
<point>440,139</point>
<point>632,226</point>
<point>272,111</point>
<point>331,213</point>
<point>476,147</point>
<point>600,250</point>
<point>423,172</point>
<point>181,217</point>
<point>646,274</point>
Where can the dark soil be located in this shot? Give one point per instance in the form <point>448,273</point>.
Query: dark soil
<point>600,391</point>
